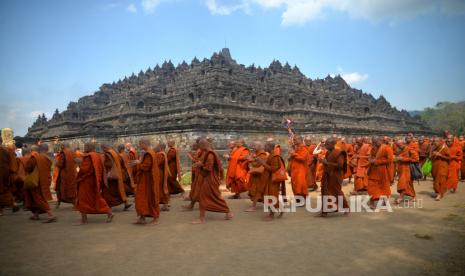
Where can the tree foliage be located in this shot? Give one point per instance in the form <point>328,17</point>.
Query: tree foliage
<point>446,116</point>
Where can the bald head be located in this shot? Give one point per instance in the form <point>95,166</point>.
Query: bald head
<point>43,148</point>
<point>258,146</point>
<point>171,143</point>
<point>144,144</point>
<point>120,148</point>
<point>269,146</point>
<point>330,143</point>
<point>204,144</point>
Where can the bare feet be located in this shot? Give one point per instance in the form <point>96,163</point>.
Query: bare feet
<point>153,222</point>
<point>51,219</point>
<point>140,221</point>
<point>80,223</point>
<point>187,207</point>
<point>229,216</point>
<point>438,198</point>
<point>251,209</point>
<point>198,221</point>
<point>110,218</point>
<point>165,208</point>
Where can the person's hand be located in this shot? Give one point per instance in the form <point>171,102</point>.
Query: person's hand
<point>198,164</point>
<point>133,163</point>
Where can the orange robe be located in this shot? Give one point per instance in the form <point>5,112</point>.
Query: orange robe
<point>462,165</point>
<point>312,162</point>
<point>299,168</point>
<point>378,176</point>
<point>210,174</point>
<point>89,183</point>
<point>333,175</point>
<point>455,152</point>
<point>66,181</point>
<point>174,165</point>
<point>319,165</point>
<point>440,170</point>
<point>237,170</point>
<point>162,163</point>
<point>8,167</point>
<point>36,198</point>
<point>114,191</point>
<point>275,162</point>
<point>128,173</point>
<point>391,166</point>
<point>349,149</point>
<point>195,186</point>
<point>425,148</point>
<point>405,182</point>
<point>258,180</point>
<point>361,171</point>
<point>147,181</point>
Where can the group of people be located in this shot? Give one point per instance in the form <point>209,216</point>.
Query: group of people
<point>94,182</point>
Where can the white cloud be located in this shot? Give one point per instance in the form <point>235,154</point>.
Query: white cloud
<point>355,77</point>
<point>149,6</point>
<point>219,9</point>
<point>132,8</point>
<point>299,12</point>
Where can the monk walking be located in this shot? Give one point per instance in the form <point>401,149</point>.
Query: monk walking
<point>162,163</point>
<point>258,176</point>
<point>391,166</point>
<point>174,166</point>
<point>462,164</point>
<point>127,169</point>
<point>362,155</point>
<point>8,167</point>
<point>89,185</point>
<point>115,177</point>
<point>335,166</point>
<point>378,175</point>
<point>299,168</point>
<point>440,157</point>
<point>455,152</point>
<point>36,198</point>
<point>237,169</point>
<point>147,181</point>
<point>211,170</point>
<point>311,176</point>
<point>405,157</point>
<point>195,156</point>
<point>66,181</point>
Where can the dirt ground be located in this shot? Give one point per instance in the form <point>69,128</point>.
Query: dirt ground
<point>420,241</point>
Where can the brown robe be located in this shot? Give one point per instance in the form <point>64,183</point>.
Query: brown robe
<point>390,165</point>
<point>258,180</point>
<point>174,165</point>
<point>147,181</point>
<point>114,191</point>
<point>162,163</point>
<point>274,161</point>
<point>195,184</point>
<point>210,174</point>
<point>311,176</point>
<point>129,178</point>
<point>36,198</point>
<point>378,176</point>
<point>333,175</point>
<point>66,181</point>
<point>89,185</point>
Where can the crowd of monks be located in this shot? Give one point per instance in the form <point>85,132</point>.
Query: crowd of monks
<point>95,182</point>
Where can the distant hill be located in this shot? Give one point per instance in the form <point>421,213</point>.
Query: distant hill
<point>444,116</point>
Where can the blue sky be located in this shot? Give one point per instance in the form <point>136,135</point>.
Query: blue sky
<point>53,52</point>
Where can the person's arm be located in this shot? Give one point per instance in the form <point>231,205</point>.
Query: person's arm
<point>30,164</point>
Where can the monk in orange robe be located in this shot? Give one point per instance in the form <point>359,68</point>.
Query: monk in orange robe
<point>391,165</point>
<point>277,149</point>
<point>349,149</point>
<point>147,181</point>
<point>162,162</point>
<point>320,151</point>
<point>237,169</point>
<point>378,175</point>
<point>272,165</point>
<point>440,157</point>
<point>131,152</point>
<point>405,157</point>
<point>36,198</point>
<point>115,176</point>
<point>8,167</point>
<point>89,185</point>
<point>65,185</point>
<point>210,173</point>
<point>258,176</point>
<point>299,168</point>
<point>335,166</point>
<point>195,156</point>
<point>311,176</point>
<point>127,169</point>
<point>425,148</point>
<point>462,164</point>
<point>455,152</point>
<point>174,166</point>
<point>362,155</point>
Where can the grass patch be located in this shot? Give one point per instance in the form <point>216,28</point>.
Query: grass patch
<point>423,237</point>
<point>459,206</point>
<point>186,179</point>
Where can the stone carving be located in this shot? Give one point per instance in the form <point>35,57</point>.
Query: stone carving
<point>218,94</point>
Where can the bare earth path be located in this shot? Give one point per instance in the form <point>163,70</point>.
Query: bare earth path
<point>428,240</point>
